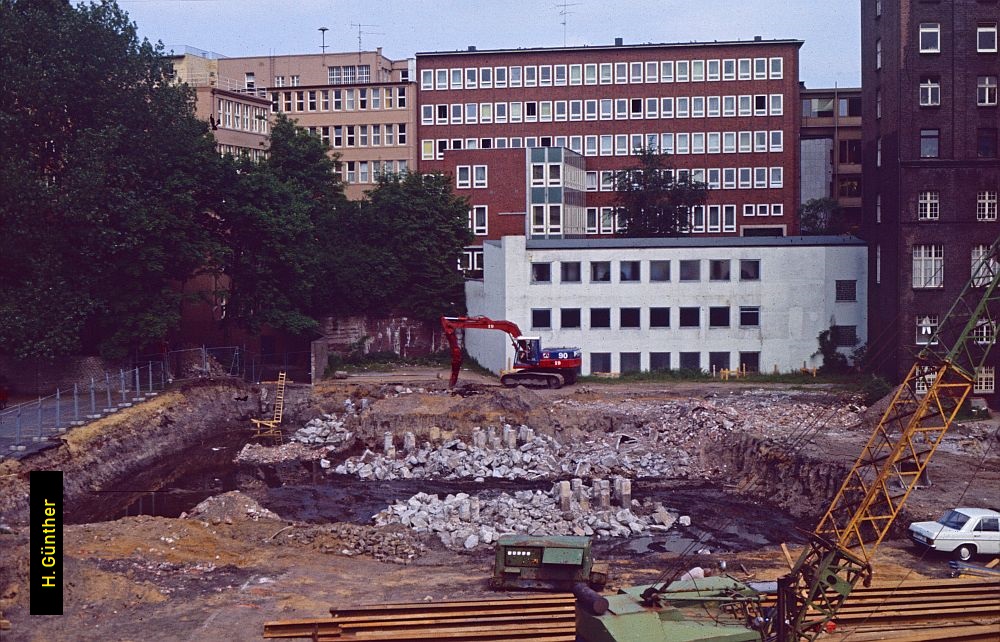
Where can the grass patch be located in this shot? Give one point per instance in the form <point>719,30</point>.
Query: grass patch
<point>382,362</point>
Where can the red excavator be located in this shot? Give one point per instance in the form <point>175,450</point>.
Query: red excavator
<point>534,366</point>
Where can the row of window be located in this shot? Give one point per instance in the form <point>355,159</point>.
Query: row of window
<point>680,143</point>
<point>652,108</point>
<point>930,37</point>
<point>928,266</point>
<point>325,100</point>
<point>689,270</point>
<point>605,73</point>
<point>370,171</point>
<point>237,115</point>
<point>383,135</point>
<point>986,91</point>
<point>657,318</point>
<point>930,144</point>
<point>661,361</point>
<point>929,205</point>
<point>985,332</point>
<point>255,154</point>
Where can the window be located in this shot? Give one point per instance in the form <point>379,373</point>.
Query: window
<point>986,142</point>
<point>690,361</point>
<point>847,290</point>
<point>986,91</point>
<point>928,266</point>
<point>478,220</point>
<point>928,205</point>
<point>600,362</point>
<point>541,319</point>
<point>630,272</point>
<point>690,270</point>
<point>718,317</point>
<point>463,174</point>
<point>986,205</point>
<point>878,54</point>
<point>569,318</point>
<point>749,269</point>
<point>600,271</point>
<point>844,335</point>
<point>929,143</point>
<point>718,270</point>
<point>659,361</point>
<point>600,317</point>
<point>930,37</point>
<point>926,327</point>
<point>479,176</point>
<point>630,362</point>
<point>982,271</point>
<point>659,317</point>
<point>749,316</point>
<point>629,317</point>
<point>985,380</point>
<point>930,92</point>
<point>718,361</point>
<point>690,317</point>
<point>541,273</point>
<point>659,271</point>
<point>985,332</point>
<point>569,271</point>
<point>986,38</point>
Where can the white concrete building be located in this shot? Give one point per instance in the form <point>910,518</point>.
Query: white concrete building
<point>705,303</point>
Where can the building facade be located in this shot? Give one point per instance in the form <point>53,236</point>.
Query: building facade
<point>362,104</point>
<point>831,153</point>
<point>240,119</point>
<point>931,167</point>
<point>727,113</point>
<point>657,304</point>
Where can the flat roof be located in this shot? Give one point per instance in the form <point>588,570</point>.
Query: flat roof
<point>647,45</point>
<point>689,242</point>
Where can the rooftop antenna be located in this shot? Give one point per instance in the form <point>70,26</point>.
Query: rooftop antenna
<point>365,33</point>
<point>564,12</point>
<point>323,31</point>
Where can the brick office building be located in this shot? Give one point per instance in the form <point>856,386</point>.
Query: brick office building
<point>931,168</point>
<point>361,104</point>
<point>728,112</point>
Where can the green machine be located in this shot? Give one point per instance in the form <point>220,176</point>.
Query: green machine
<point>554,563</point>
<point>715,609</point>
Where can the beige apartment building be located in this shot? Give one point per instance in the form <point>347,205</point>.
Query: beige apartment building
<point>361,103</point>
<point>240,119</point>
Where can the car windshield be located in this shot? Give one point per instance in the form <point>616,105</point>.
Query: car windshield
<point>954,519</point>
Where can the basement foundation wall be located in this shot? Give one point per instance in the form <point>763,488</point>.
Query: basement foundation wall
<point>404,336</point>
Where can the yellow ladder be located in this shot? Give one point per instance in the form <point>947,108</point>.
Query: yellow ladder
<point>270,428</point>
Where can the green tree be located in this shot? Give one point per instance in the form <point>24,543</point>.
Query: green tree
<point>279,220</point>
<point>653,201</point>
<point>105,192</point>
<point>408,235</point>
<point>818,215</point>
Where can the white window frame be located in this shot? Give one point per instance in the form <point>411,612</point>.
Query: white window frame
<point>929,205</point>
<point>928,266</point>
<point>986,205</point>
<point>990,31</point>
<point>927,28</point>
<point>480,176</point>
<point>479,228</point>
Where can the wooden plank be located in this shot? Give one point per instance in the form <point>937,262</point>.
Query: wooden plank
<point>569,611</point>
<point>442,622</point>
<point>788,555</point>
<point>965,612</point>
<point>517,602</point>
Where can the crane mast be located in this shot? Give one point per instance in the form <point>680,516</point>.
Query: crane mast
<point>838,554</point>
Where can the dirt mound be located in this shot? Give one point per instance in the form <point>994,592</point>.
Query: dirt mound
<point>231,507</point>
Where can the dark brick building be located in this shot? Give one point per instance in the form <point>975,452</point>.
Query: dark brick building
<point>728,112</point>
<point>931,172</point>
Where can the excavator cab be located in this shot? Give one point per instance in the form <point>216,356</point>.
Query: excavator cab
<point>529,351</point>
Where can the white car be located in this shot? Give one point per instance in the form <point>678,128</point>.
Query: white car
<point>963,532</point>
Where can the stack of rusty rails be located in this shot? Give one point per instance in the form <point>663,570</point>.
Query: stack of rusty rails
<point>915,603</point>
<point>541,618</point>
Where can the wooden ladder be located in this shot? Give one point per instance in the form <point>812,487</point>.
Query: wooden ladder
<point>271,428</point>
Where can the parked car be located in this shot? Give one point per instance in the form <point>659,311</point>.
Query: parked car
<point>963,532</point>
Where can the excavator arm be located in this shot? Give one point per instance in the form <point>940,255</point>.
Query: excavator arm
<point>922,410</point>
<point>451,326</point>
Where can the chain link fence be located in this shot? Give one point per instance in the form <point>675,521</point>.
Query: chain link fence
<point>28,426</point>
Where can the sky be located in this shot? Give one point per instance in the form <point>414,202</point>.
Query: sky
<point>830,28</point>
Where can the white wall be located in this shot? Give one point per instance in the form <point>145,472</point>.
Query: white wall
<point>795,293</point>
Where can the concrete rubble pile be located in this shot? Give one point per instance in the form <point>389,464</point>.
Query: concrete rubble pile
<point>259,454</point>
<point>327,430</point>
<point>230,507</point>
<point>464,522</point>
<point>399,545</point>
<point>510,453</point>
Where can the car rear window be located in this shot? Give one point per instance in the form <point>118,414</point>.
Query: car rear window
<point>954,519</point>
